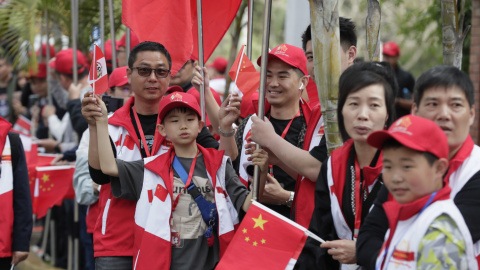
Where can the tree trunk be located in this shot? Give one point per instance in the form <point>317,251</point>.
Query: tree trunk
<point>326,55</point>
<point>373,29</point>
<point>452,32</point>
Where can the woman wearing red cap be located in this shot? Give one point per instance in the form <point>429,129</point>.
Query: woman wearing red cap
<point>350,179</point>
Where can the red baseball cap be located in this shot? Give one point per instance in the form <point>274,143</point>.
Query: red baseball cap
<point>118,77</point>
<point>289,54</point>
<point>391,48</point>
<point>177,99</point>
<point>64,62</point>
<point>174,88</point>
<point>416,133</point>
<point>220,64</point>
<point>133,41</point>
<point>41,71</point>
<point>44,50</point>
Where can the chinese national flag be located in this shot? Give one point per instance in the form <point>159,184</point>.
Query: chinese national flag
<point>244,74</point>
<point>98,77</point>
<point>52,185</point>
<point>264,240</point>
<point>174,24</point>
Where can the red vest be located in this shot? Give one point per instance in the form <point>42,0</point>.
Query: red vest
<point>6,191</point>
<point>304,200</point>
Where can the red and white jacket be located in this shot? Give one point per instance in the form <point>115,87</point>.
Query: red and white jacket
<point>6,191</point>
<point>304,200</point>
<point>113,233</point>
<point>408,226</point>
<point>152,219</point>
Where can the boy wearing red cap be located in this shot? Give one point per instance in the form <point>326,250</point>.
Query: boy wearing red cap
<point>427,231</point>
<point>179,192</point>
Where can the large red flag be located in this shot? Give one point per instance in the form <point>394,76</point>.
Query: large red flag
<point>174,24</point>
<point>52,185</point>
<point>97,76</point>
<point>264,240</point>
<point>244,74</point>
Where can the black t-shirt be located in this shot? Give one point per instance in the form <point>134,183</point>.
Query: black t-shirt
<point>149,125</point>
<point>405,82</point>
<point>292,136</point>
<point>320,151</point>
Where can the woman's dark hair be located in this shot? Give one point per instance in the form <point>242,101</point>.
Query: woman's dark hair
<point>360,76</point>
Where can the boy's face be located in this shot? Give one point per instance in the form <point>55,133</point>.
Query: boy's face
<point>449,108</point>
<point>181,127</point>
<point>408,176</point>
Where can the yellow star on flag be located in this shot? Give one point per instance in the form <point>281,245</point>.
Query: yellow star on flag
<point>244,230</point>
<point>247,238</point>
<point>263,241</point>
<point>255,243</point>
<point>45,178</point>
<point>259,222</point>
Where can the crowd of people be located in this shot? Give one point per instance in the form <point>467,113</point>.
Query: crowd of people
<point>162,188</point>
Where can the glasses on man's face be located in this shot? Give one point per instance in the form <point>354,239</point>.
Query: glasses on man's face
<point>146,71</point>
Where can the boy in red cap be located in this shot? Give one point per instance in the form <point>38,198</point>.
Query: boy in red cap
<point>167,219</point>
<point>427,231</point>
<point>118,83</point>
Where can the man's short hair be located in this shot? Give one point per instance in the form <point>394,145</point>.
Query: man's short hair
<point>444,76</point>
<point>148,46</point>
<point>348,36</point>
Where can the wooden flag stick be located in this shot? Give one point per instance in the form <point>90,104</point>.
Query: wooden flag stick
<point>263,80</point>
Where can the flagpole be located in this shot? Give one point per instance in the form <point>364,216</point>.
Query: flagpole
<point>74,40</point>
<point>128,39</point>
<point>102,24</point>
<point>47,52</point>
<point>263,79</point>
<point>94,67</point>
<point>250,29</point>
<point>200,56</point>
<point>112,34</point>
<point>238,68</point>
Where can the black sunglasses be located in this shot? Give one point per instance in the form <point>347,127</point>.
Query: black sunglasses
<point>146,71</point>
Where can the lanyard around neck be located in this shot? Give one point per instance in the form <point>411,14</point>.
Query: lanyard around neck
<point>187,181</point>
<point>142,135</point>
<point>285,131</point>
<point>360,189</point>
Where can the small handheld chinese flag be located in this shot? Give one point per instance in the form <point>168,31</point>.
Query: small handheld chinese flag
<point>244,74</point>
<point>52,185</point>
<point>97,76</point>
<point>265,240</point>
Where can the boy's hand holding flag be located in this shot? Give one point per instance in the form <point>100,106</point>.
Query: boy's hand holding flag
<point>97,76</point>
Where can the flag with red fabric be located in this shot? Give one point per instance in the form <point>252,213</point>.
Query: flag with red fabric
<point>264,240</point>
<point>22,125</point>
<point>175,25</point>
<point>97,76</point>
<point>52,185</point>
<point>244,74</point>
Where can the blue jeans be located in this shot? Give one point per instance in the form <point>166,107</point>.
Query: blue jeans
<point>114,263</point>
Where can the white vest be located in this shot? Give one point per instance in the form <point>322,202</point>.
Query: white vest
<point>6,201</point>
<point>153,231</point>
<point>409,233</point>
<point>242,173</point>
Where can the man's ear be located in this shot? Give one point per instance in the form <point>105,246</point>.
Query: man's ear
<point>414,110</point>
<point>161,130</point>
<point>129,75</point>
<point>352,55</point>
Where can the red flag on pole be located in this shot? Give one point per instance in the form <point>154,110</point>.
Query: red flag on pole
<point>52,185</point>
<point>98,77</point>
<point>264,240</point>
<point>244,74</point>
<point>175,25</point>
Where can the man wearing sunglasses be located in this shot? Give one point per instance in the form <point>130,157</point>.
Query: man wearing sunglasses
<point>133,134</point>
